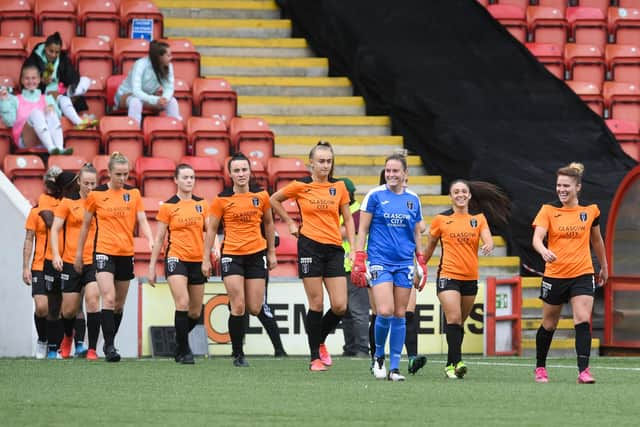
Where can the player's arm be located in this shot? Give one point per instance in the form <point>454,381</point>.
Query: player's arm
<point>82,239</point>
<point>144,226</point>
<point>276,203</point>
<point>161,231</point>
<point>55,229</point>
<point>27,248</point>
<point>363,230</point>
<point>211,226</point>
<point>598,247</point>
<point>487,241</point>
<point>350,228</point>
<point>539,234</point>
<point>270,234</point>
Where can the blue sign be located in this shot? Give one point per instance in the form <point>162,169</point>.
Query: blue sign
<point>142,29</point>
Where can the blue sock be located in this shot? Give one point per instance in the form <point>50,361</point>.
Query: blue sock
<point>381,332</point>
<point>396,340</point>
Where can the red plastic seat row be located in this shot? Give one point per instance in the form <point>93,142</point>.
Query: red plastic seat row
<point>628,135</point>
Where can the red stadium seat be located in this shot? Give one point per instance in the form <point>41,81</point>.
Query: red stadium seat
<point>209,176</point>
<point>603,5</point>
<point>6,141</point>
<point>629,4</point>
<point>99,18</point>
<point>113,83</point>
<point>590,93</point>
<point>92,57</point>
<point>151,207</point>
<point>522,4</point>
<point>287,250</point>
<point>485,3</point>
<point>136,9</point>
<point>627,134</point>
<point>101,163</point>
<point>165,136</point>
<point>26,172</point>
<point>282,170</point>
<point>214,97</point>
<point>208,137</point>
<point>182,93</point>
<point>16,19</point>
<point>550,56</point>
<point>56,15</point>
<point>585,63</point>
<point>155,175</point>
<point>587,25</point>
<point>127,51</point>
<point>122,134</point>
<point>186,59</point>
<point>623,61</point>
<point>85,143</point>
<point>31,42</point>
<point>66,163</point>
<point>624,25</point>
<point>512,18</point>
<point>252,137</point>
<point>143,257</point>
<point>12,55</point>
<point>558,4</point>
<point>622,100</point>
<point>95,98</point>
<point>258,173</point>
<point>291,207</point>
<point>547,25</point>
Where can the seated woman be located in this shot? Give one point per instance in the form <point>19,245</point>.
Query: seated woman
<point>149,84</point>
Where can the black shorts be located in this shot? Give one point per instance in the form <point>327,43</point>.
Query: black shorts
<point>37,283</point>
<point>252,266</point>
<point>464,287</point>
<point>72,282</point>
<point>192,270</point>
<point>120,266</point>
<point>319,259</point>
<point>556,291</point>
<point>51,278</point>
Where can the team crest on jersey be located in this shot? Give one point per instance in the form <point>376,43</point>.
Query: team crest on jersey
<point>583,216</point>
<point>410,206</point>
<point>332,191</point>
<point>473,222</point>
<point>255,201</point>
<point>126,197</point>
<point>198,208</point>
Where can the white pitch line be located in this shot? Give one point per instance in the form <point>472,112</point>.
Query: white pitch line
<point>521,365</point>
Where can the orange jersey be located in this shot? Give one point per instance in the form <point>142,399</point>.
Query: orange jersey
<point>241,215</point>
<point>116,214</point>
<point>319,205</point>
<point>36,224</point>
<point>48,203</point>
<point>459,236</point>
<point>185,221</point>
<point>568,236</point>
<point>71,211</point>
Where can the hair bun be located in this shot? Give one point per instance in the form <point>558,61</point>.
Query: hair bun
<point>579,167</point>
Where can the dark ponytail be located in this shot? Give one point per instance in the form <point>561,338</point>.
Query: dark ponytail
<point>54,38</point>
<point>156,50</point>
<point>488,199</point>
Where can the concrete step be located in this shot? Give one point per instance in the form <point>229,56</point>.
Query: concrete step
<point>293,106</point>
<point>252,47</point>
<point>433,205</point>
<point>229,9</point>
<point>532,308</point>
<point>534,323</point>
<point>420,184</point>
<point>330,125</point>
<point>291,86</point>
<point>234,66</point>
<point>299,145</point>
<point>192,27</point>
<point>559,347</point>
<point>352,166</point>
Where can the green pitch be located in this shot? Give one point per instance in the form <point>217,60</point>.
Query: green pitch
<point>282,392</point>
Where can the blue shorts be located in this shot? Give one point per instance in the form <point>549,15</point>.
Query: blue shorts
<point>400,276</point>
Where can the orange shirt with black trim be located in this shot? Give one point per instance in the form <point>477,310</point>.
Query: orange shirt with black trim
<point>36,224</point>
<point>459,236</point>
<point>241,215</point>
<point>116,214</point>
<point>185,221</point>
<point>568,237</point>
<point>48,203</point>
<point>319,205</point>
<point>71,211</point>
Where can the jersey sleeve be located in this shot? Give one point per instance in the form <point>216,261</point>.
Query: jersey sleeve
<point>290,191</point>
<point>484,224</point>
<point>139,203</point>
<point>216,208</point>
<point>265,201</point>
<point>369,203</point>
<point>32,220</point>
<point>62,210</point>
<point>344,194</point>
<point>163,213</point>
<point>90,204</point>
<point>434,228</point>
<point>596,216</point>
<point>542,218</point>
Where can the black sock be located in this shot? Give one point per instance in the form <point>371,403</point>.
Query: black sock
<point>411,336</point>
<point>117,318</point>
<point>68,326</point>
<point>41,327</point>
<point>372,335</point>
<point>314,332</point>
<point>269,324</point>
<point>108,327</point>
<point>54,333</point>
<point>236,330</point>
<point>454,342</point>
<point>93,326</point>
<point>194,322</point>
<point>182,331</point>
<point>543,342</point>
<point>583,345</point>
<point>80,326</point>
<point>329,322</point>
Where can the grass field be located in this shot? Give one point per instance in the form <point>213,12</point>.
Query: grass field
<point>496,392</point>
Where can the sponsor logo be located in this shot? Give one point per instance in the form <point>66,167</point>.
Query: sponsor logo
<point>546,288</point>
<point>101,261</point>
<point>226,262</point>
<point>305,263</point>
<point>442,282</point>
<point>384,202</point>
<point>449,222</point>
<point>557,215</point>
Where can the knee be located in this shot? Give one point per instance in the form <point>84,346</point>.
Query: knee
<point>92,304</point>
<point>455,319</point>
<point>339,309</point>
<point>41,310</point>
<point>108,302</point>
<point>384,311</point>
<point>182,304</point>
<point>237,308</point>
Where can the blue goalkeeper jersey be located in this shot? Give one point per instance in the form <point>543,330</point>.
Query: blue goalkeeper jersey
<point>394,219</point>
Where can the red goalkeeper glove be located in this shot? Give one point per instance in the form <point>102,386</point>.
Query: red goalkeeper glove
<point>421,271</point>
<point>359,270</point>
